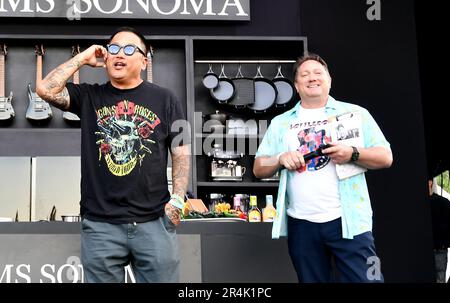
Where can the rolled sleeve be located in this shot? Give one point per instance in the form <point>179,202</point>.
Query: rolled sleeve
<point>270,144</point>
<point>373,136</point>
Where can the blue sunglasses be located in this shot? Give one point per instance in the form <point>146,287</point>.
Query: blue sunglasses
<point>128,49</point>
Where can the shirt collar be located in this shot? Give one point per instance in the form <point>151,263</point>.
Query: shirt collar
<point>331,105</point>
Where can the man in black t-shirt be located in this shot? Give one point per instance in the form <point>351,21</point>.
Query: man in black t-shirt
<point>127,127</point>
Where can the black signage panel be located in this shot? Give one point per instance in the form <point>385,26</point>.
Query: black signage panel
<point>233,10</point>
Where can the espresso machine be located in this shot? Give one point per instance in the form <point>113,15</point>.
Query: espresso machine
<point>225,165</point>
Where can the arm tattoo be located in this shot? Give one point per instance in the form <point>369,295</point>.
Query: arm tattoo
<point>55,91</point>
<point>180,169</point>
<point>61,100</point>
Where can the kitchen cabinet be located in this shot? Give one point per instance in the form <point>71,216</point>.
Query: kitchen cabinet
<point>232,53</point>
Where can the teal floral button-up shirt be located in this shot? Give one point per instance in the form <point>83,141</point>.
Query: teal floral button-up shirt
<point>354,195</point>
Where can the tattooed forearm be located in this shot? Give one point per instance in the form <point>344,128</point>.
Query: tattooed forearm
<point>61,100</point>
<point>180,169</point>
<point>52,88</point>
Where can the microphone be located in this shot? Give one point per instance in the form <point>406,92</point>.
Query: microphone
<point>316,153</point>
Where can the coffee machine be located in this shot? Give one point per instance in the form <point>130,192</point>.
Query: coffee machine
<point>225,165</point>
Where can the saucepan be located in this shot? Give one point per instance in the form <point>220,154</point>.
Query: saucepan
<point>71,218</point>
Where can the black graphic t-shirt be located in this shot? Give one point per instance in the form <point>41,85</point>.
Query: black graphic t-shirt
<point>125,136</point>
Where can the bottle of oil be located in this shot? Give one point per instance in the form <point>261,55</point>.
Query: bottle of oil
<point>269,212</point>
<point>254,214</point>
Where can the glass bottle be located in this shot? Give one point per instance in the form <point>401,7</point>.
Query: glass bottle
<point>237,203</point>
<point>269,212</point>
<point>254,214</point>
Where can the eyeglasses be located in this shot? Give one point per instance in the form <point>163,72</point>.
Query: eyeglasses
<point>128,49</point>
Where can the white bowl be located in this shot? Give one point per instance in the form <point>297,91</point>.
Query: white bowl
<point>6,219</point>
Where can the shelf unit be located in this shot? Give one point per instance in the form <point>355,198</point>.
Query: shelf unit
<point>268,53</point>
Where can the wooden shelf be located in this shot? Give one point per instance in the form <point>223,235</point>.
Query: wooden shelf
<point>238,184</point>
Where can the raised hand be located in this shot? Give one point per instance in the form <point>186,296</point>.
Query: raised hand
<point>92,55</point>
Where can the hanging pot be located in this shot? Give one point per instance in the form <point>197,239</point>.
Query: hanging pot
<point>265,93</point>
<point>285,88</point>
<point>210,79</point>
<point>245,90</point>
<point>225,90</point>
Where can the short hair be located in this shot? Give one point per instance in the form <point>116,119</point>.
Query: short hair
<point>307,57</point>
<point>130,30</point>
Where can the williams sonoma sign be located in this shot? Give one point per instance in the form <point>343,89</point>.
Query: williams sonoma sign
<point>128,9</point>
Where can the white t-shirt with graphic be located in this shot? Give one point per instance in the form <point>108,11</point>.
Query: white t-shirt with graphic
<point>313,190</point>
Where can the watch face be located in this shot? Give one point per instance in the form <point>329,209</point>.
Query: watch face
<point>355,154</point>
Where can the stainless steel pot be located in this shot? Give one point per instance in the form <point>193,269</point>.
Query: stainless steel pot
<point>71,218</point>
<point>215,122</point>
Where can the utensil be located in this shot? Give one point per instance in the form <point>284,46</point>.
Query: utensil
<point>53,214</point>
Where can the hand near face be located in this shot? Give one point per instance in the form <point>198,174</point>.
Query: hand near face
<point>92,55</point>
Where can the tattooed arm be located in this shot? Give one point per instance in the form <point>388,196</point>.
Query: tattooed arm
<point>53,87</point>
<point>180,179</point>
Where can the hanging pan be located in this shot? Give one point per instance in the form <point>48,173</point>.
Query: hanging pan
<point>245,90</point>
<point>285,88</point>
<point>265,93</point>
<point>225,90</point>
<point>210,79</point>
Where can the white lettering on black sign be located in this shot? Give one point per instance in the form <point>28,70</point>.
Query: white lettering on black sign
<point>238,10</point>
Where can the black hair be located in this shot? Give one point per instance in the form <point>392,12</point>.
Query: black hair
<point>130,30</point>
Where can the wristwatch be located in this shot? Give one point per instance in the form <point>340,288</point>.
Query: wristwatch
<point>355,155</point>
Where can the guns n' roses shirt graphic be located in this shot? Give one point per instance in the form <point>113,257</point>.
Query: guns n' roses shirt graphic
<point>124,135</point>
<point>125,139</point>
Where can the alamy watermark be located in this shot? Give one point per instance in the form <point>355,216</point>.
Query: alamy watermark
<point>374,270</point>
<point>374,11</point>
<point>73,13</point>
